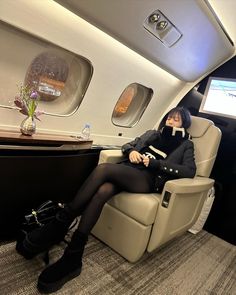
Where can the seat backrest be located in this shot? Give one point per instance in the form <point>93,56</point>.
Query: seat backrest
<point>182,199</point>
<point>206,138</point>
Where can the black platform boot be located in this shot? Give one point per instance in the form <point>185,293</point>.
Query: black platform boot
<point>43,238</point>
<point>66,268</point>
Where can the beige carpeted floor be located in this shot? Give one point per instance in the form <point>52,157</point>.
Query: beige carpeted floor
<point>199,264</point>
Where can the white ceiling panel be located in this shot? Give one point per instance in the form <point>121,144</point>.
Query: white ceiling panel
<point>202,46</point>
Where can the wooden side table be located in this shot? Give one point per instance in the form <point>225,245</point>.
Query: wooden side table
<point>41,141</point>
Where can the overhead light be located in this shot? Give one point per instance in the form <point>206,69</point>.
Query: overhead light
<point>153,18</point>
<point>162,25</point>
<point>162,28</point>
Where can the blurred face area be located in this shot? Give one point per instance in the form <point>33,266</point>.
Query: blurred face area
<point>174,120</point>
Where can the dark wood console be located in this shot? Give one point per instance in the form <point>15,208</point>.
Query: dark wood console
<point>11,139</point>
<point>38,168</point>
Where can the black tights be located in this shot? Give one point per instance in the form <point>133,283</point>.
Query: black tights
<point>104,182</point>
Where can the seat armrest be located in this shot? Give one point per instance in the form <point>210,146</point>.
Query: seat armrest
<point>188,185</point>
<point>110,156</point>
<point>180,205</point>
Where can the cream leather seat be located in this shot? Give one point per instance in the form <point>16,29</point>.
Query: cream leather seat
<point>133,223</point>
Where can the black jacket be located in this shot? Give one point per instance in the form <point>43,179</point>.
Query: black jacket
<point>178,164</point>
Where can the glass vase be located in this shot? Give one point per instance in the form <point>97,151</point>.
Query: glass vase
<point>28,126</point>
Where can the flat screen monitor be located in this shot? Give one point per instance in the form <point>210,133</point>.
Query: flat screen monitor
<point>220,97</point>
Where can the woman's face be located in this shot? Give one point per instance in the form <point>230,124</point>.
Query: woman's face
<point>174,120</point>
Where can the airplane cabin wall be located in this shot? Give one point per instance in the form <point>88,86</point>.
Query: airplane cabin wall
<point>115,67</point>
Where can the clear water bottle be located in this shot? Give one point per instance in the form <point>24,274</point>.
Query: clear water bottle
<point>85,133</point>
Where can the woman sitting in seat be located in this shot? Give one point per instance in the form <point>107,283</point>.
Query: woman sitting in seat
<point>150,160</point>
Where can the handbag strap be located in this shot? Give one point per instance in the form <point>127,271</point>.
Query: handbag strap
<point>43,206</point>
<point>49,203</point>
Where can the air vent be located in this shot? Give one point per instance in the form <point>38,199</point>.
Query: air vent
<point>162,28</point>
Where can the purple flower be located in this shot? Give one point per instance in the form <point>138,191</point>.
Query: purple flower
<point>27,102</point>
<point>24,111</point>
<point>18,102</point>
<point>34,95</point>
<point>37,114</point>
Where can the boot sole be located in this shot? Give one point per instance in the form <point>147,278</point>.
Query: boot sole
<point>46,288</point>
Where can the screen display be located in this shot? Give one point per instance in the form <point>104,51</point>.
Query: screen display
<point>220,97</point>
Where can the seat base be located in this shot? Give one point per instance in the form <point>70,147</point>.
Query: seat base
<point>131,243</point>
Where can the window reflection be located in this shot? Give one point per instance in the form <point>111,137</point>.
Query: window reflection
<point>131,105</point>
<point>124,101</point>
<point>48,74</point>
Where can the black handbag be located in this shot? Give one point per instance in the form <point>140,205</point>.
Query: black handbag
<point>40,216</point>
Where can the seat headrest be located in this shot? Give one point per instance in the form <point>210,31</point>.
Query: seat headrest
<point>199,126</point>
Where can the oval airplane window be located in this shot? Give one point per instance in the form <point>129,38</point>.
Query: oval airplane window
<point>61,78</point>
<point>48,73</point>
<point>131,105</point>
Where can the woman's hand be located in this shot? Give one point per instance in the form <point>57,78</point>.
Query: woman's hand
<point>146,161</point>
<point>135,157</point>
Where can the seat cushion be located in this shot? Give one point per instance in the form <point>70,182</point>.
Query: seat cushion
<point>141,207</point>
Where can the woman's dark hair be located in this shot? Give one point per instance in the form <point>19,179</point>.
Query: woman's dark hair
<point>184,114</point>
